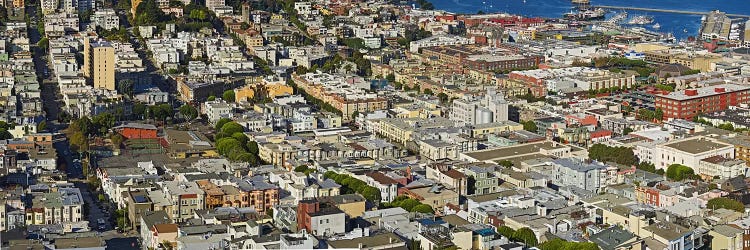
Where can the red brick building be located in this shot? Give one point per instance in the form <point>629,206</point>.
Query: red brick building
<point>137,131</point>
<point>688,103</point>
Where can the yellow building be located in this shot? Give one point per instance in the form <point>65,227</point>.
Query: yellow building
<point>644,47</point>
<point>699,62</point>
<point>276,154</point>
<point>244,93</point>
<point>254,40</point>
<point>99,64</point>
<point>264,90</point>
<point>352,204</point>
<point>726,237</point>
<point>480,130</point>
<point>277,89</point>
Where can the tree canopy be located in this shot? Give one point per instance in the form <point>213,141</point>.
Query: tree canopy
<point>148,13</point>
<point>188,111</point>
<point>409,204</point>
<point>529,126</point>
<point>559,244</point>
<point>525,235</point>
<point>352,185</point>
<point>619,155</point>
<point>228,95</point>
<point>680,172</point>
<point>723,202</point>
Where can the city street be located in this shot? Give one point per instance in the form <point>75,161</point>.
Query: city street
<point>52,102</point>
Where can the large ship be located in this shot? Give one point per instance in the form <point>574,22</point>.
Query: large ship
<point>641,20</point>
<point>587,14</point>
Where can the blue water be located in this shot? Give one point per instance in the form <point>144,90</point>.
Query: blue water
<point>673,23</point>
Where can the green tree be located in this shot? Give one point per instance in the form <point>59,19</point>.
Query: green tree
<point>225,145</point>
<point>221,123</point>
<point>726,126</point>
<point>529,126</point>
<point>211,98</point>
<point>188,111</point>
<point>559,244</point>
<point>679,172</point>
<point>232,127</point>
<point>139,109</point>
<point>4,134</point>
<point>627,130</point>
<point>79,141</point>
<point>41,126</point>
<point>43,43</point>
<point>525,235</point>
<point>241,137</point>
<point>148,13</point>
<point>390,78</point>
<point>443,97</point>
<point>228,96</point>
<point>648,167</point>
<point>723,202</point>
<point>506,231</point>
<point>161,111</point>
<point>427,92</point>
<point>117,140</point>
<point>506,163</point>
<point>620,155</point>
<point>372,194</point>
<point>252,147</point>
<point>409,204</point>
<point>126,87</point>
<point>423,208</point>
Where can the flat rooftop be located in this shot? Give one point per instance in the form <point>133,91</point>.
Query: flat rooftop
<point>513,151</point>
<point>696,145</point>
<point>705,92</point>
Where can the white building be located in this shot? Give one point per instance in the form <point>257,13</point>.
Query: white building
<point>688,152</point>
<point>215,110</point>
<point>387,186</point>
<point>722,167</point>
<point>106,19</point>
<point>473,110</point>
<point>440,40</point>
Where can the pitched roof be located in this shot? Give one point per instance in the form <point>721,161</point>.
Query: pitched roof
<point>166,228</point>
<point>381,178</point>
<point>454,174</point>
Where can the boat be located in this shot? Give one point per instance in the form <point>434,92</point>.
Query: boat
<point>656,26</point>
<point>641,20</point>
<point>619,17</point>
<point>587,14</point>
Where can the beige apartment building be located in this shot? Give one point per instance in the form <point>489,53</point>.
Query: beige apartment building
<point>99,64</point>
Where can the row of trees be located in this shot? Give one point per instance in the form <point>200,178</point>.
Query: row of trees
<point>560,244</point>
<point>410,205</point>
<point>649,167</point>
<point>352,185</point>
<point>619,155</point>
<point>723,202</point>
<point>305,169</point>
<point>648,115</point>
<point>84,127</point>
<point>159,111</point>
<point>232,143</point>
<point>525,235</point>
